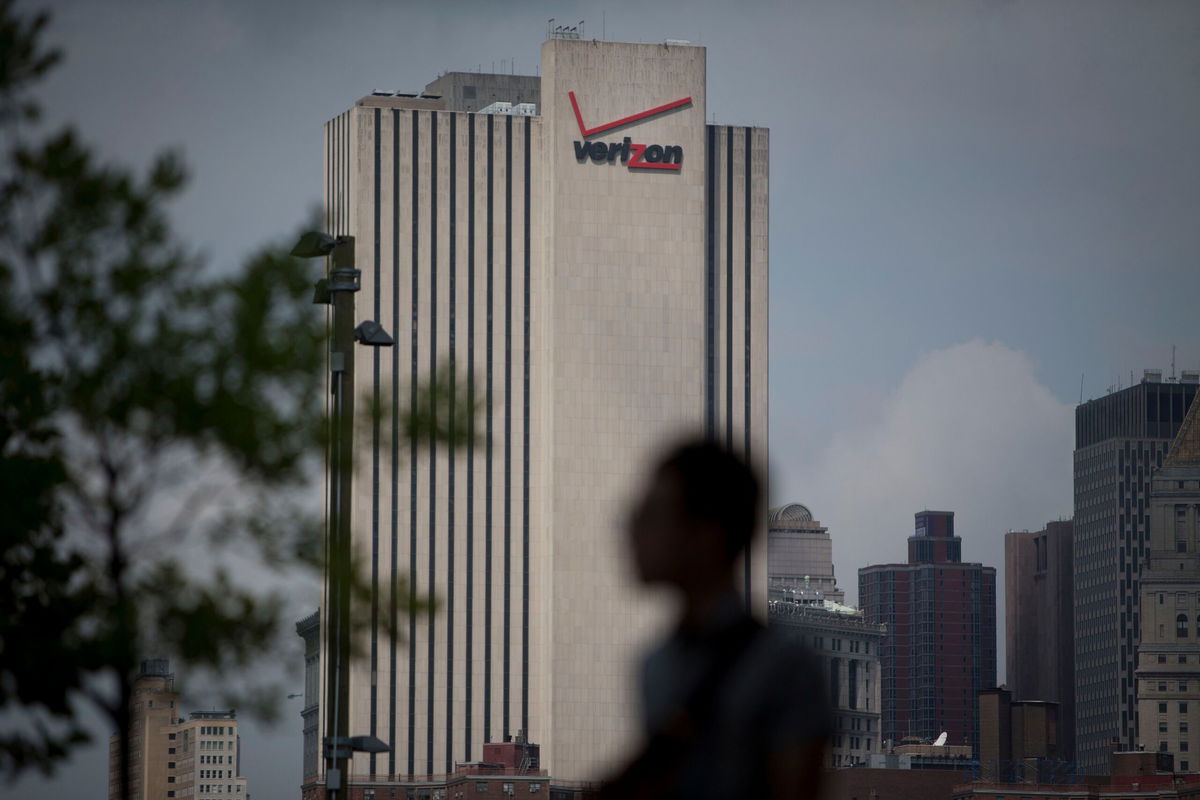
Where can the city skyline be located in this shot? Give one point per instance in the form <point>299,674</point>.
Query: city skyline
<point>878,124</point>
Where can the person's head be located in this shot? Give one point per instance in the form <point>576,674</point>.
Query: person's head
<point>696,516</point>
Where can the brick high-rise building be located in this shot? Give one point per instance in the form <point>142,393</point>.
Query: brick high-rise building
<point>1039,623</point>
<point>940,647</point>
<point>1168,672</point>
<point>1120,440</point>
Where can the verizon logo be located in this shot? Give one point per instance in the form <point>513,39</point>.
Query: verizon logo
<point>634,155</point>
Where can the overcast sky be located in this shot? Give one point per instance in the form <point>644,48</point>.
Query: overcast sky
<point>973,205</point>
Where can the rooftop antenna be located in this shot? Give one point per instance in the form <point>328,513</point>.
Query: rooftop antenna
<point>1081,388</point>
<point>1172,363</point>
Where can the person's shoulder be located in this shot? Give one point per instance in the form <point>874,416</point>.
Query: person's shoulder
<point>785,652</point>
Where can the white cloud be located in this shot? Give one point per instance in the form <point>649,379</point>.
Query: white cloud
<point>969,429</point>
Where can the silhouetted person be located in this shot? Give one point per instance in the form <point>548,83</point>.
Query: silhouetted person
<point>730,709</point>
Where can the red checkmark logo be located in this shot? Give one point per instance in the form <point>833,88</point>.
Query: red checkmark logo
<point>608,126</point>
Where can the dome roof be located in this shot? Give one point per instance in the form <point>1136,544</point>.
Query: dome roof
<point>792,512</point>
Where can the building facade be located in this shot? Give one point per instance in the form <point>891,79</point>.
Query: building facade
<point>800,553</point>
<point>208,757</point>
<point>153,712</point>
<point>848,647</point>
<point>1120,440</point>
<point>173,757</point>
<point>309,629</point>
<point>940,647</point>
<point>594,278</point>
<point>1039,623</point>
<point>1168,670</point>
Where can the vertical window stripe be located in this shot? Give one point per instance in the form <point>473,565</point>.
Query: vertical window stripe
<point>414,118</point>
<point>508,126</point>
<point>525,453</point>
<point>432,458</point>
<point>470,581</point>
<point>451,450</point>
<point>375,390</point>
<point>395,586</point>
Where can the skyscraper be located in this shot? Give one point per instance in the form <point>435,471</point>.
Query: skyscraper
<point>593,272</point>
<point>1168,671</point>
<point>1039,623</point>
<point>940,647</point>
<point>1119,440</point>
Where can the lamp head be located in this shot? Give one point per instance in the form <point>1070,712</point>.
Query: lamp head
<point>314,244</point>
<point>372,334</point>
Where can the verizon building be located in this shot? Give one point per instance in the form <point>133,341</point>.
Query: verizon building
<point>589,258</point>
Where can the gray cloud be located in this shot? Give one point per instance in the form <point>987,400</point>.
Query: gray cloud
<point>969,429</point>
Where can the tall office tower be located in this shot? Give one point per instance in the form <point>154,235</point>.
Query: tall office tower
<point>593,272</point>
<point>1168,671</point>
<point>154,709</point>
<point>800,552</point>
<point>940,646</point>
<point>1039,623</point>
<point>1119,440</point>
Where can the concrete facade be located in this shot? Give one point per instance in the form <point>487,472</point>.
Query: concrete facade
<point>155,707</point>
<point>848,647</point>
<point>593,310</point>
<point>1168,669</point>
<point>1039,622</point>
<point>1019,740</point>
<point>800,553</point>
<point>1119,440</point>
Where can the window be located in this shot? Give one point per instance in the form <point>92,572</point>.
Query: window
<point>481,787</point>
<point>1183,659</point>
<point>1183,686</point>
<point>1183,747</point>
<point>507,789</point>
<point>1162,686</point>
<point>1183,765</point>
<point>1183,708</point>
<point>1162,659</point>
<point>170,751</point>
<point>1162,726</point>
<point>1162,747</point>
<point>1183,726</point>
<point>170,778</point>
<point>1162,708</point>
<point>171,736</point>
<point>535,788</point>
<point>1181,626</point>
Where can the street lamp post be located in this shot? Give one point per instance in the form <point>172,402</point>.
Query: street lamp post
<point>338,290</point>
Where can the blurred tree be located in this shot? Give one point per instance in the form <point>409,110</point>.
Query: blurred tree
<point>149,411</point>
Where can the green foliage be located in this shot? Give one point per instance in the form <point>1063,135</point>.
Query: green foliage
<point>150,412</point>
